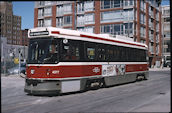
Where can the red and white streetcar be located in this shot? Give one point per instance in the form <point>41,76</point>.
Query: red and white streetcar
<point>61,61</point>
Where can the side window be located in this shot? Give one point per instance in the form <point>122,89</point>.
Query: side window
<point>109,53</point>
<point>90,51</point>
<point>101,50</point>
<point>143,55</point>
<point>133,55</point>
<point>129,54</point>
<point>116,53</point>
<point>71,51</point>
<point>119,53</point>
<point>126,54</point>
<point>123,55</point>
<point>137,54</point>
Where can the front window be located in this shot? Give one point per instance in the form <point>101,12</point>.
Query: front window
<point>43,51</point>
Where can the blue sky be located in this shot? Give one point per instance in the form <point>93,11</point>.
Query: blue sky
<point>25,9</point>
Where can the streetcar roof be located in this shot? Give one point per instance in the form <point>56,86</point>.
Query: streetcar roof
<point>59,32</point>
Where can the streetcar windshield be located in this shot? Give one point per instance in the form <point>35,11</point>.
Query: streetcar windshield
<point>43,51</point>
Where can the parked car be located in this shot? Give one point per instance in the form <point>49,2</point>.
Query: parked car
<point>15,70</point>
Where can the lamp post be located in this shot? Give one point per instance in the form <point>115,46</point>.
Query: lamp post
<point>19,59</point>
<point>3,58</point>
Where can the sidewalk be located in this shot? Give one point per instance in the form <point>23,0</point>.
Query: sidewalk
<point>160,69</point>
<point>6,75</point>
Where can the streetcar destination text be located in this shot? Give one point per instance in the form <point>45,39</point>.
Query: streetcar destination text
<point>39,33</point>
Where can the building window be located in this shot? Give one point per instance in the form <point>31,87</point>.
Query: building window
<point>40,23</point>
<point>142,31</point>
<point>47,2</point>
<point>67,8</point>
<point>89,18</point>
<point>59,21</point>
<point>128,14</point>
<point>166,34</point>
<point>89,29</point>
<point>80,7</point>
<point>47,11</point>
<point>41,3</point>
<point>80,20</point>
<point>59,10</point>
<point>142,18</point>
<point>128,29</point>
<point>167,19</point>
<point>89,5</point>
<point>128,2</point>
<point>111,16</point>
<point>167,45</point>
<point>47,22</point>
<point>115,3</point>
<point>166,12</point>
<point>166,27</point>
<point>67,20</point>
<point>114,29</point>
<point>142,5</point>
<point>106,4</point>
<point>40,12</point>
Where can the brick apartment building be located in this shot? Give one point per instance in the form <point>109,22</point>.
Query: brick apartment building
<point>166,32</point>
<point>137,19</point>
<point>24,37</point>
<point>10,24</point>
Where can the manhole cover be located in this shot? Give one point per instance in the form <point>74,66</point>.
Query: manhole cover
<point>162,93</point>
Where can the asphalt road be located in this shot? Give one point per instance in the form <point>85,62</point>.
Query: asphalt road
<point>151,95</point>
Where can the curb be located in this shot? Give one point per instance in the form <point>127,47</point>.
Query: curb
<point>159,69</point>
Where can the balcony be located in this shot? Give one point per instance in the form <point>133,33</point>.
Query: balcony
<point>47,14</point>
<point>59,14</point>
<point>40,16</point>
<point>157,17</point>
<point>67,2</point>
<point>80,24</point>
<point>142,35</point>
<point>127,6</point>
<point>39,4</point>
<point>59,2</point>
<point>151,50</point>
<point>157,40</point>
<point>80,12</point>
<point>67,24</point>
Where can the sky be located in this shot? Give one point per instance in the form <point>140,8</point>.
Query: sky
<point>25,9</point>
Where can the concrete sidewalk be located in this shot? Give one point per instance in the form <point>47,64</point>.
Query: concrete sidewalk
<point>160,69</point>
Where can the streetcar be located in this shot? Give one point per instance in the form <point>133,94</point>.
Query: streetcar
<point>62,61</point>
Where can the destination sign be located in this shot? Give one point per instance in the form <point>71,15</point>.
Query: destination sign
<point>39,33</point>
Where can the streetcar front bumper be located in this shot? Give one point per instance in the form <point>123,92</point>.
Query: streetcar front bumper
<point>42,87</point>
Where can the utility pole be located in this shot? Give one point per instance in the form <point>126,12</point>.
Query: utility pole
<point>19,59</point>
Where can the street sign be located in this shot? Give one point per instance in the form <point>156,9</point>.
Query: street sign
<point>16,60</point>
